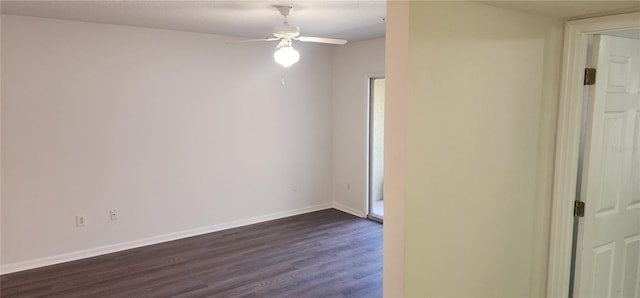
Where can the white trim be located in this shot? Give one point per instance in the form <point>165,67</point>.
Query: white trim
<point>96,251</point>
<point>568,139</point>
<point>347,209</point>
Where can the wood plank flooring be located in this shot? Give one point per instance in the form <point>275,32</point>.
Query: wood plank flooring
<point>326,253</point>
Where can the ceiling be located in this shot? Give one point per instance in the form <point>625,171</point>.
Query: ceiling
<point>348,19</point>
<point>571,9</point>
<point>635,34</point>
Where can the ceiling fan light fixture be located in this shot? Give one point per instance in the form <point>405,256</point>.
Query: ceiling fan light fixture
<point>285,54</point>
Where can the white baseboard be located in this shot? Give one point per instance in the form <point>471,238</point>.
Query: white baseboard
<point>347,209</point>
<point>92,252</point>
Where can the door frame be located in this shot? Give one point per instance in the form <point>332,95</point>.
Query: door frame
<point>369,77</point>
<point>574,60</point>
<point>370,123</point>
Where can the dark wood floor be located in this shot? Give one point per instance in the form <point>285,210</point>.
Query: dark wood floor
<point>321,254</point>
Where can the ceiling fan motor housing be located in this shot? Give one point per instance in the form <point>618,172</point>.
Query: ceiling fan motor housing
<point>286,30</point>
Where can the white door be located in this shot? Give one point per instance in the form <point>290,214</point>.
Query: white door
<point>608,246</point>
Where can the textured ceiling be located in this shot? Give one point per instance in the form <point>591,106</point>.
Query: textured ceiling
<point>350,19</point>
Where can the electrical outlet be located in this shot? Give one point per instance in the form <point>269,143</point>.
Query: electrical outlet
<point>348,186</point>
<point>294,187</point>
<point>81,221</point>
<point>113,214</point>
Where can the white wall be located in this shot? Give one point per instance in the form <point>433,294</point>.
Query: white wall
<point>478,155</point>
<point>176,130</point>
<point>352,65</point>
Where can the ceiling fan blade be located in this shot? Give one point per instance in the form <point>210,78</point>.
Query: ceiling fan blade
<point>321,40</point>
<point>254,40</point>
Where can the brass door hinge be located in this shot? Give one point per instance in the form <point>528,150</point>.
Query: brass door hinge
<point>589,76</point>
<point>578,209</point>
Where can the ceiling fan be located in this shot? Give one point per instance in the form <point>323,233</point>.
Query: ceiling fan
<point>285,54</point>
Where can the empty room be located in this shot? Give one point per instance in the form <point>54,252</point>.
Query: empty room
<point>133,131</point>
<point>348,148</point>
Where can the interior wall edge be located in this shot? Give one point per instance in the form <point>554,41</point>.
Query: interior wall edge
<point>395,146</point>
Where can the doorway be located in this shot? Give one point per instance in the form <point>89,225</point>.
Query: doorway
<point>376,148</point>
<point>595,232</point>
<point>606,253</point>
